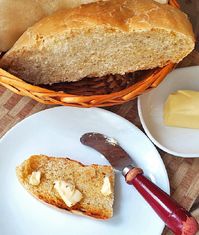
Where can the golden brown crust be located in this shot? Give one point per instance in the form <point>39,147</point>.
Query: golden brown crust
<point>50,168</point>
<point>125,15</point>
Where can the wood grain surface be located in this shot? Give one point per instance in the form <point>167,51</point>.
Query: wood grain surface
<point>183,173</point>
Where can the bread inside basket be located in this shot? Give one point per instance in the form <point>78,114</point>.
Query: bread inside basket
<point>107,80</point>
<point>100,85</point>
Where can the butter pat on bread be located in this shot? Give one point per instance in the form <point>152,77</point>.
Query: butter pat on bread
<point>68,192</point>
<point>35,178</point>
<point>106,187</point>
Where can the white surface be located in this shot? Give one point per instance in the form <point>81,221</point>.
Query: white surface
<point>182,142</point>
<point>56,132</point>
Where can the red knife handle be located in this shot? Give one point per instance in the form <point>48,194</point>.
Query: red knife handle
<point>180,221</point>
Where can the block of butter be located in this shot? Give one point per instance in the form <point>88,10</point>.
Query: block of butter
<point>182,109</point>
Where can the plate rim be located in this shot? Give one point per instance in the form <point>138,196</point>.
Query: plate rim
<point>167,183</point>
<point>156,142</point>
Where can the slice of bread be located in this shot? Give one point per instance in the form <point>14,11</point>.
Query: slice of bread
<point>101,38</point>
<point>87,179</point>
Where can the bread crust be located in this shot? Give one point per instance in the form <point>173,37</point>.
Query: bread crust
<point>125,15</point>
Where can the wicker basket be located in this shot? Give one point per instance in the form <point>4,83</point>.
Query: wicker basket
<point>80,94</point>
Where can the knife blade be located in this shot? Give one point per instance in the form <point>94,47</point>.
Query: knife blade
<point>177,219</point>
<point>116,156</point>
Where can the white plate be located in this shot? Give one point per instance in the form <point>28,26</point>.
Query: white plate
<point>177,141</point>
<point>56,132</point>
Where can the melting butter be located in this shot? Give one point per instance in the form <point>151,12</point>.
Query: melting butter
<point>106,187</point>
<point>67,191</point>
<point>35,178</point>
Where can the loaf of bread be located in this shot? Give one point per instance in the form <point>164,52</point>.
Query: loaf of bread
<point>88,180</point>
<point>17,15</point>
<point>101,38</point>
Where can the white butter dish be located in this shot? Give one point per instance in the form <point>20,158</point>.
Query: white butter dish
<point>183,142</point>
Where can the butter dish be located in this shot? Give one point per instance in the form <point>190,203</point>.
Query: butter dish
<point>182,142</point>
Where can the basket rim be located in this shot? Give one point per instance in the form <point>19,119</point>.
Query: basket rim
<point>21,83</point>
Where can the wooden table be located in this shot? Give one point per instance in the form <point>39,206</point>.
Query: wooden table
<point>183,173</point>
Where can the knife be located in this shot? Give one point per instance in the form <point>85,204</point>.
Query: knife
<point>177,219</point>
